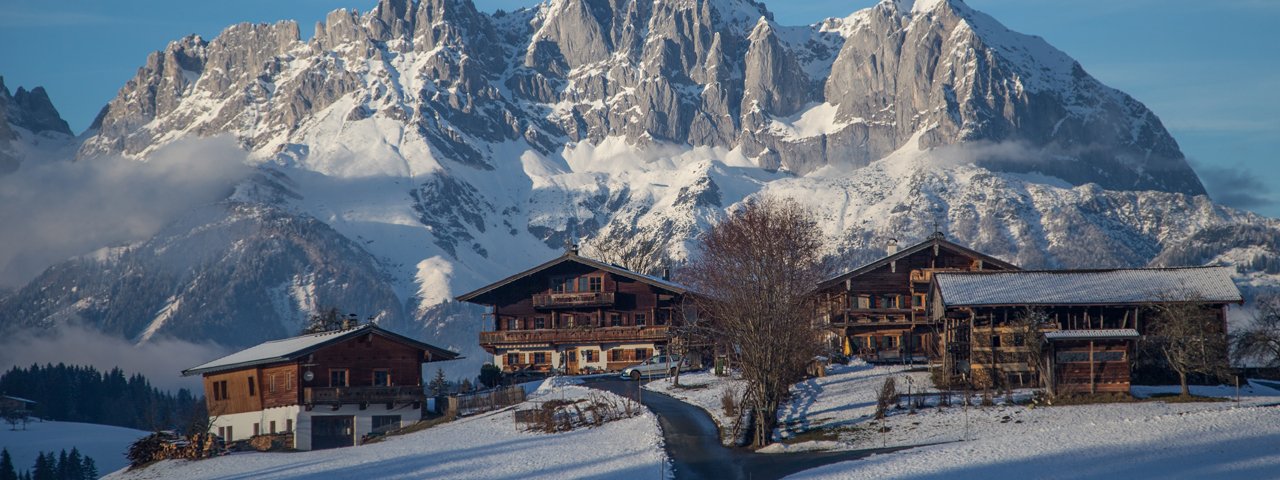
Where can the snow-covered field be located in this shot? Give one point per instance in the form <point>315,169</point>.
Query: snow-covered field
<point>105,443</point>
<point>1150,439</point>
<point>489,446</point>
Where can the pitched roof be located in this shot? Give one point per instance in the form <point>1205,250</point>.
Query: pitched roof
<point>1132,286</point>
<point>935,239</point>
<point>19,399</point>
<point>292,348</point>
<point>571,256</point>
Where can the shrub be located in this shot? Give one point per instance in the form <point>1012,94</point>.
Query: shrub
<point>888,396</point>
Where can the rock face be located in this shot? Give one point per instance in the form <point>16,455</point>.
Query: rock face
<point>423,149</point>
<point>716,73</point>
<point>28,121</point>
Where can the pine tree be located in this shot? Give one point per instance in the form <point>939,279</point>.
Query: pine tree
<point>7,472</point>
<point>44,467</point>
<point>90,469</point>
<point>73,469</point>
<point>439,386</point>
<point>60,468</point>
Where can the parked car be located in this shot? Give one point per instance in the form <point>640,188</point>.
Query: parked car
<point>655,366</point>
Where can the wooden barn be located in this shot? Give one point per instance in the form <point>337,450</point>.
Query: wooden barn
<point>327,389</point>
<point>1091,320</point>
<point>878,311</point>
<point>577,315</point>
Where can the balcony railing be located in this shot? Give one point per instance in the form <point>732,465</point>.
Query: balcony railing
<point>572,300</point>
<point>355,395</point>
<point>575,335</point>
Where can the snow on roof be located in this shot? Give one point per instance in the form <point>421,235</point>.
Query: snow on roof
<point>1092,334</point>
<point>20,399</point>
<point>276,350</point>
<point>574,257</point>
<point>1088,287</point>
<point>290,348</point>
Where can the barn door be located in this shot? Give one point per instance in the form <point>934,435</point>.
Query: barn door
<point>332,432</point>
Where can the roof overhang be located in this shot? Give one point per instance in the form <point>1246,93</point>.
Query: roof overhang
<point>479,295</point>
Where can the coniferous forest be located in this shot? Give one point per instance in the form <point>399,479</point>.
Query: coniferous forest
<point>74,393</point>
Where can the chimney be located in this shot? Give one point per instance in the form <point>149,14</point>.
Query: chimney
<point>892,248</point>
<point>350,322</point>
<point>666,273</point>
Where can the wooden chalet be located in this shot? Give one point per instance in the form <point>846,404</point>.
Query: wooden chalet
<point>327,389</point>
<point>1091,321</point>
<point>878,311</point>
<point>577,315</point>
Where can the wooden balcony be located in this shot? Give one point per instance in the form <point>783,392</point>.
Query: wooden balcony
<point>573,300</point>
<point>575,335</point>
<point>362,395</point>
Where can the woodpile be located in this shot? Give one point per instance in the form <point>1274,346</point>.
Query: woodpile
<point>168,445</point>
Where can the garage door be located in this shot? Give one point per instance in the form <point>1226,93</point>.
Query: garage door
<point>332,432</point>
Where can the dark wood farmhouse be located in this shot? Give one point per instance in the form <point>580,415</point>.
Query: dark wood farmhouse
<point>1091,320</point>
<point>878,311</point>
<point>327,389</point>
<point>578,315</point>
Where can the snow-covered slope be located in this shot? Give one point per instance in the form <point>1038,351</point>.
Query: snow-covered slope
<point>106,444</point>
<point>482,447</point>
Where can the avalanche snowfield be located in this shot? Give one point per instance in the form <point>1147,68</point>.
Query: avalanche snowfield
<point>485,446</point>
<point>1141,439</point>
<point>105,443</point>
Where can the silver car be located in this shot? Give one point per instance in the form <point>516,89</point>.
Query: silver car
<point>655,366</point>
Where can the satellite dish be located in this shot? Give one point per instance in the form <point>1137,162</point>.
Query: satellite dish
<point>308,376</point>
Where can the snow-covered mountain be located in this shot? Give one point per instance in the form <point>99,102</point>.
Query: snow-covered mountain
<point>30,128</point>
<point>422,149</point>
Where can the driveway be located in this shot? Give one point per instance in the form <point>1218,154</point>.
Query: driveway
<point>693,442</point>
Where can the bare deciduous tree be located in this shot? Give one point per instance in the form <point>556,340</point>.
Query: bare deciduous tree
<point>1260,342</point>
<point>754,277</point>
<point>1030,327</point>
<point>1191,337</point>
<point>641,251</point>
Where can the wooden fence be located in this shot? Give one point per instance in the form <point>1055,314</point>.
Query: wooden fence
<point>463,405</point>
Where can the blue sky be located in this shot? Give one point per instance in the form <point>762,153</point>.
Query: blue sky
<point>1208,69</point>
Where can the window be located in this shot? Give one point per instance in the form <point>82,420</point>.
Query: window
<point>540,358</point>
<point>251,392</point>
<point>288,425</point>
<point>889,301</point>
<point>1108,356</point>
<point>640,319</point>
<point>230,436</point>
<point>381,377</point>
<point>864,301</point>
<point>513,324</point>
<point>582,284</point>
<point>288,383</point>
<point>338,378</point>
<point>1072,357</point>
<point>256,429</point>
<point>1019,340</point>
<point>595,284</point>
<point>273,427</point>
<point>222,432</point>
<point>385,423</point>
<point>917,301</point>
<point>588,355</point>
<point>539,322</point>
<point>513,359</point>
<point>661,318</point>
<point>642,353</point>
<point>220,390</point>
<point>995,341</point>
<point>615,320</point>
<point>557,285</point>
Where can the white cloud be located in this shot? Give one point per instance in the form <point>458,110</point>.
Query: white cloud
<point>54,210</point>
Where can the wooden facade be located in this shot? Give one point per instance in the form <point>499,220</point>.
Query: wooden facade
<point>1090,338</point>
<point>880,311</point>
<point>275,387</point>
<point>576,315</point>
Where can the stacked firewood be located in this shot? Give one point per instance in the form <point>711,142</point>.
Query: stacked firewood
<point>168,445</point>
